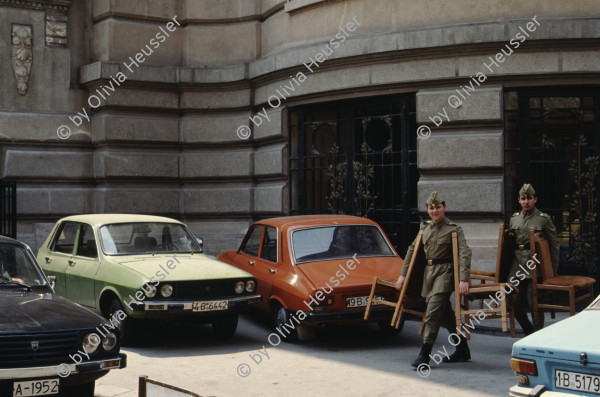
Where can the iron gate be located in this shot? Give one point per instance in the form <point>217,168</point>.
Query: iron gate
<point>552,140</point>
<point>359,158</point>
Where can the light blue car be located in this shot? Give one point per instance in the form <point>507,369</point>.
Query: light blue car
<point>560,360</point>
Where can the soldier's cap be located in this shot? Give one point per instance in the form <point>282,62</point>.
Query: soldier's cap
<point>434,199</point>
<point>527,191</point>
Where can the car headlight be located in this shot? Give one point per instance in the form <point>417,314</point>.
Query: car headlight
<point>109,341</point>
<point>240,287</point>
<point>166,290</point>
<point>250,286</point>
<point>91,343</point>
<point>149,291</point>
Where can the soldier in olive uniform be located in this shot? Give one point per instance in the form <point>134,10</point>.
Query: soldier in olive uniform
<point>530,218</point>
<point>438,279</point>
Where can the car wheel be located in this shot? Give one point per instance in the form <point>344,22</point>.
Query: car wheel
<point>281,321</point>
<point>125,326</point>
<point>226,325</point>
<point>85,390</point>
<point>386,328</point>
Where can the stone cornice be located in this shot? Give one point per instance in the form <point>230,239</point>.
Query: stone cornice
<point>57,6</point>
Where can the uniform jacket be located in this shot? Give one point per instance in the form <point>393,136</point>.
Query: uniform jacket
<point>538,221</point>
<point>437,245</point>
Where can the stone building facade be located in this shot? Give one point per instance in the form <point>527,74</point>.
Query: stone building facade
<point>156,100</point>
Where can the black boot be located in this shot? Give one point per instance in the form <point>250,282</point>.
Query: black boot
<point>523,319</point>
<point>462,352</point>
<point>423,357</point>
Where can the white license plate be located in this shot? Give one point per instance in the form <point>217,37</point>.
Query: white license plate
<point>27,388</point>
<point>208,306</point>
<point>577,381</point>
<point>360,301</point>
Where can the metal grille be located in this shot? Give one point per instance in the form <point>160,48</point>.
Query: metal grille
<point>204,290</point>
<point>37,349</point>
<point>8,209</point>
<point>358,158</point>
<point>552,138</point>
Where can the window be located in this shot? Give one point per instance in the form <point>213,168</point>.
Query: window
<point>87,242</point>
<point>65,240</point>
<point>253,242</point>
<point>269,245</point>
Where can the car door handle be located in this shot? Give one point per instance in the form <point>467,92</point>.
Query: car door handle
<point>272,270</point>
<point>251,263</point>
<point>72,262</point>
<point>48,259</point>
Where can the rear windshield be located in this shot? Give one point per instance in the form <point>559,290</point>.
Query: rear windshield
<point>595,305</point>
<point>338,242</point>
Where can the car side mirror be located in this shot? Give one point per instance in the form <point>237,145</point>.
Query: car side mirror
<point>52,280</point>
<point>200,243</point>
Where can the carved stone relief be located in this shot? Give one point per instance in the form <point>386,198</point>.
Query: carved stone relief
<point>56,30</point>
<point>22,56</point>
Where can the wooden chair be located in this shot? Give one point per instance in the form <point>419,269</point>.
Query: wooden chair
<point>410,294</point>
<point>551,282</point>
<point>496,291</point>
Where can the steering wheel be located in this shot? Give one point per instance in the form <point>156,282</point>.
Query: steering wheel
<point>167,246</point>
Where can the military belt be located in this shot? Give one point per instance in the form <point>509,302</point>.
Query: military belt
<point>431,262</point>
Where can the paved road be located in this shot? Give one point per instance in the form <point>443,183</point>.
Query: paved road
<point>342,361</point>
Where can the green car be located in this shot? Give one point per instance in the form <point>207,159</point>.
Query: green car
<point>135,267</point>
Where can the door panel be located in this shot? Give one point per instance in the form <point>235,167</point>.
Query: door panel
<point>259,256</point>
<point>59,255</point>
<point>82,268</point>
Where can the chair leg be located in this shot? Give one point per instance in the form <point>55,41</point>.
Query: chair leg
<point>503,314</point>
<point>534,309</point>
<point>368,308</point>
<point>572,301</point>
<point>552,311</point>
<point>513,332</point>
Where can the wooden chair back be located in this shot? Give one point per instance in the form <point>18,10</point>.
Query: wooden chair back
<point>542,249</point>
<point>506,248</point>
<point>415,286</point>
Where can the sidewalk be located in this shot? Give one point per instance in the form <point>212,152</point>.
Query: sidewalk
<point>494,326</point>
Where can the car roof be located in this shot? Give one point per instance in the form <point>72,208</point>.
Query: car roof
<point>9,240</point>
<point>103,219</point>
<point>286,222</point>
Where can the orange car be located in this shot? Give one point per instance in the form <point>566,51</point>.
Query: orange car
<point>317,269</point>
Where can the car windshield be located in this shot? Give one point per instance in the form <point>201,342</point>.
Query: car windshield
<point>18,268</point>
<point>146,237</point>
<point>595,305</point>
<point>338,242</point>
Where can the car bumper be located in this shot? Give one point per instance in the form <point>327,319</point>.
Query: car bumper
<point>67,370</point>
<point>540,390</point>
<point>375,314</point>
<point>165,305</point>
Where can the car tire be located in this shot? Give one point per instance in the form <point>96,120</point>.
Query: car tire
<point>387,330</point>
<point>225,326</point>
<point>126,326</point>
<point>85,390</point>
<point>280,318</point>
